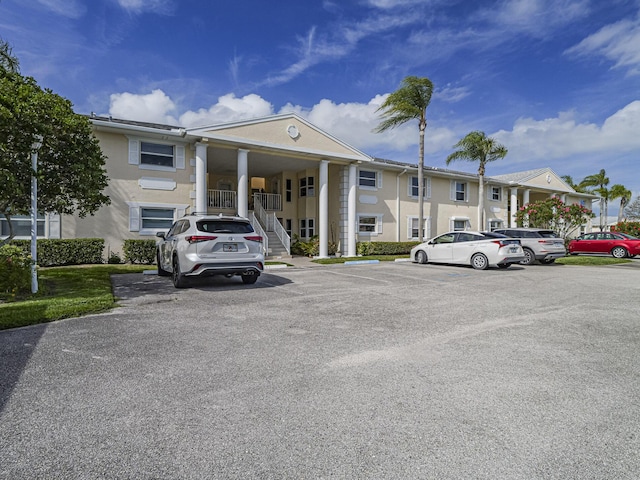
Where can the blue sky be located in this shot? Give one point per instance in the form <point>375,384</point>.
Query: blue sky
<point>556,81</point>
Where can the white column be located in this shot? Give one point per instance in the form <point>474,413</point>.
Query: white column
<point>514,207</point>
<point>323,236</point>
<point>243,183</point>
<point>201,178</point>
<point>351,212</point>
<point>525,197</point>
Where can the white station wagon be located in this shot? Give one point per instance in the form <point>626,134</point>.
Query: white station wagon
<point>478,249</point>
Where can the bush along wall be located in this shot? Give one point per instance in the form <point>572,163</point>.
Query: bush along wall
<point>140,251</point>
<point>56,252</point>
<point>15,272</point>
<point>385,248</point>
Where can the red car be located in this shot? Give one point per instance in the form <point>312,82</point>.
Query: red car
<point>620,245</point>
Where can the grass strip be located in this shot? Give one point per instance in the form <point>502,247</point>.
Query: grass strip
<point>65,292</point>
<point>589,260</point>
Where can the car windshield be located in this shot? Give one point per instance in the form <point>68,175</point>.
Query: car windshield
<point>224,226</point>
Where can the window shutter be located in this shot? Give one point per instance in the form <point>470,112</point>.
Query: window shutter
<point>181,212</point>
<point>452,190</point>
<point>54,225</point>
<point>466,192</point>
<point>428,182</point>
<point>180,157</point>
<point>489,192</point>
<point>379,175</point>
<point>134,219</point>
<point>134,152</point>
<point>410,226</point>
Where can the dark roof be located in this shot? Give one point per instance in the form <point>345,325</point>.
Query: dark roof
<point>120,121</point>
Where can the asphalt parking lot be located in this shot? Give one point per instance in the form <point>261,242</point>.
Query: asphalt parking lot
<point>395,370</point>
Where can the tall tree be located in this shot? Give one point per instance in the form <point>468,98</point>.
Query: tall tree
<point>624,194</point>
<point>568,179</point>
<point>477,147</point>
<point>597,183</point>
<point>633,210</point>
<point>70,173</point>
<point>408,103</point>
<point>7,61</point>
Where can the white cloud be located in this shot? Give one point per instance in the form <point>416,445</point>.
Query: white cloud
<point>228,109</point>
<point>162,7</point>
<point>560,137</point>
<point>618,42</point>
<point>66,8</point>
<point>152,107</point>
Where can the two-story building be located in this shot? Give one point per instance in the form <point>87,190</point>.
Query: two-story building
<point>290,178</point>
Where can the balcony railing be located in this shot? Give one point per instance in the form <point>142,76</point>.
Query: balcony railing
<point>225,199</point>
<point>271,202</point>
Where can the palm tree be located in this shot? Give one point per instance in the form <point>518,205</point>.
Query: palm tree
<point>597,183</point>
<point>477,147</point>
<point>568,179</point>
<point>621,192</point>
<point>410,102</point>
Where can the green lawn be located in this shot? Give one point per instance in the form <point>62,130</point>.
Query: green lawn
<point>65,292</point>
<point>588,260</point>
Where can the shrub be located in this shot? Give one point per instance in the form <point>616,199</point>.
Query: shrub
<point>114,258</point>
<point>140,251</point>
<point>55,252</point>
<point>310,248</point>
<point>631,228</point>
<point>15,271</point>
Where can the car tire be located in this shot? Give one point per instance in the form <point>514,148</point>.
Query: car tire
<point>479,262</point>
<point>504,265</point>
<point>529,257</point>
<point>547,261</point>
<point>179,280</point>
<point>249,279</point>
<point>619,252</point>
<point>161,271</point>
<point>421,257</point>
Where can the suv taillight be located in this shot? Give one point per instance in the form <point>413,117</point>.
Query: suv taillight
<point>254,238</point>
<point>504,243</point>
<point>199,238</point>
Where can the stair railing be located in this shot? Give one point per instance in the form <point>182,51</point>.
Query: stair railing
<point>260,231</point>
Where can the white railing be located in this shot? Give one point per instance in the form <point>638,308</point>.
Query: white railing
<point>226,199</point>
<point>271,222</point>
<point>271,202</point>
<point>260,231</point>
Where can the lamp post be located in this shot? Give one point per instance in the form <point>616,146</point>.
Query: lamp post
<point>34,212</point>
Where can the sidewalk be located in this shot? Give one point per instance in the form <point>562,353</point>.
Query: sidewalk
<point>297,261</point>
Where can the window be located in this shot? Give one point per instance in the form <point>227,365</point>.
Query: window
<point>22,226</point>
<point>288,189</point>
<point>288,226</point>
<point>412,234</point>
<point>367,178</point>
<point>494,224</point>
<point>369,224</point>
<point>156,218</point>
<point>459,224</point>
<point>459,191</point>
<point>495,193</point>
<point>156,154</point>
<point>413,187</point>
<point>307,228</point>
<point>307,187</point>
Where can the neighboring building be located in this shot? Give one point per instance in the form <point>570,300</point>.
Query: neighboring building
<point>290,178</point>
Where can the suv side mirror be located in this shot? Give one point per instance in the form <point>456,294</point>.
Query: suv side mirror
<point>161,235</point>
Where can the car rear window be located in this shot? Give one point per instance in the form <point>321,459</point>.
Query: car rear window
<point>547,234</point>
<point>224,226</point>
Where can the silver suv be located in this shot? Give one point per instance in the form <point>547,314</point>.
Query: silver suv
<point>539,244</point>
<point>205,245</point>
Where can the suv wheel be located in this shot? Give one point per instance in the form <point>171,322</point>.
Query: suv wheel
<point>529,257</point>
<point>179,280</point>
<point>249,279</point>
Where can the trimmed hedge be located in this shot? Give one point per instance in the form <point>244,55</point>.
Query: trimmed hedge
<point>140,251</point>
<point>385,248</point>
<point>56,252</point>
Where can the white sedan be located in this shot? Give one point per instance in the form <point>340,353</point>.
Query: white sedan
<point>478,249</point>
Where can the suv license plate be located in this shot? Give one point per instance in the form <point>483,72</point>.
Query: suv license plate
<point>513,250</point>
<point>229,247</point>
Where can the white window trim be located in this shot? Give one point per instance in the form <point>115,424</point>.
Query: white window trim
<point>452,221</point>
<point>427,182</point>
<point>307,228</point>
<point>452,191</point>
<point>490,193</point>
<point>51,227</point>
<point>135,220</point>
<point>427,229</point>
<point>378,230</point>
<point>378,180</point>
<point>499,221</point>
<point>134,154</point>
